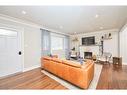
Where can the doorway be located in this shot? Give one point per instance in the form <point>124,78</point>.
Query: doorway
<point>10,52</point>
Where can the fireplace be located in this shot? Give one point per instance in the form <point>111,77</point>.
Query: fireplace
<point>87,55</point>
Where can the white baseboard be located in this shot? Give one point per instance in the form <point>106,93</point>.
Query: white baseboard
<point>30,68</point>
<point>124,63</point>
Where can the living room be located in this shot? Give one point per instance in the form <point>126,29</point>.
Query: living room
<point>84,49</point>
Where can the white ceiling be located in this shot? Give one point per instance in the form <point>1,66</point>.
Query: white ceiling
<point>71,19</point>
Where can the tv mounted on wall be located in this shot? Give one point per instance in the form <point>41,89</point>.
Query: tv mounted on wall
<point>88,40</point>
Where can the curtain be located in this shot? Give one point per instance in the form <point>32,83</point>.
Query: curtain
<point>67,46</point>
<point>46,42</point>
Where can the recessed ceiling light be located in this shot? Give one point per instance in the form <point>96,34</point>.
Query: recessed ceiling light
<point>24,12</point>
<point>101,27</point>
<point>61,27</point>
<point>96,16</point>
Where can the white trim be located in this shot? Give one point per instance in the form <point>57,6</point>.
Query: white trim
<point>124,63</point>
<point>124,26</point>
<point>31,68</point>
<point>16,20</point>
<point>104,31</point>
<point>3,77</point>
<point>22,47</point>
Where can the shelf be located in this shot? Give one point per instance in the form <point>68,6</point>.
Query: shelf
<point>90,45</point>
<point>106,39</point>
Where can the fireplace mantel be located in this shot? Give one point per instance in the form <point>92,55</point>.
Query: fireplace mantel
<point>93,49</point>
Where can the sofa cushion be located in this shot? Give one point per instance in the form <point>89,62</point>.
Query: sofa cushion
<point>72,63</point>
<point>56,60</point>
<point>87,63</point>
<point>47,57</point>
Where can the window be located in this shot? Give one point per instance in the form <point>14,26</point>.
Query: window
<point>57,43</point>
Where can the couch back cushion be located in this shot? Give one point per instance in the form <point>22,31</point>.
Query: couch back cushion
<point>47,57</point>
<point>87,63</point>
<point>72,63</point>
<point>56,60</point>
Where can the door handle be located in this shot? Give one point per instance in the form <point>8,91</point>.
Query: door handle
<point>20,52</point>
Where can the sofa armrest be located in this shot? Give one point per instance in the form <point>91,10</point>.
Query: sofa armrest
<point>89,71</point>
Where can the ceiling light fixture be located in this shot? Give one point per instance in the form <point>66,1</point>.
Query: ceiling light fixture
<point>96,16</point>
<point>61,27</point>
<point>101,27</point>
<point>24,12</point>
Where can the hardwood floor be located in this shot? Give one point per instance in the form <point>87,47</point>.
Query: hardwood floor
<point>113,77</point>
<point>33,79</point>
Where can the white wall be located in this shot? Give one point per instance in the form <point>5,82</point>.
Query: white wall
<point>123,44</point>
<point>31,41</point>
<point>109,45</point>
<point>32,47</point>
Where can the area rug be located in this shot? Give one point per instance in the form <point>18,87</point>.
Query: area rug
<point>66,84</point>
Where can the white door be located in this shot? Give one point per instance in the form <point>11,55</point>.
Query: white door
<point>10,59</point>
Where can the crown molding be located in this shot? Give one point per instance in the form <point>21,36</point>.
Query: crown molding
<point>123,27</point>
<point>28,23</point>
<point>16,20</point>
<point>104,31</point>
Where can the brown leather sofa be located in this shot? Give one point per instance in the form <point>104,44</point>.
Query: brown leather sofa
<point>71,71</point>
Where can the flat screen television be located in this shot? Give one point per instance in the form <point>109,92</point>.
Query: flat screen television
<point>88,40</point>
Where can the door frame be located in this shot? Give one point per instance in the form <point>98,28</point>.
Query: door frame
<point>21,40</point>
